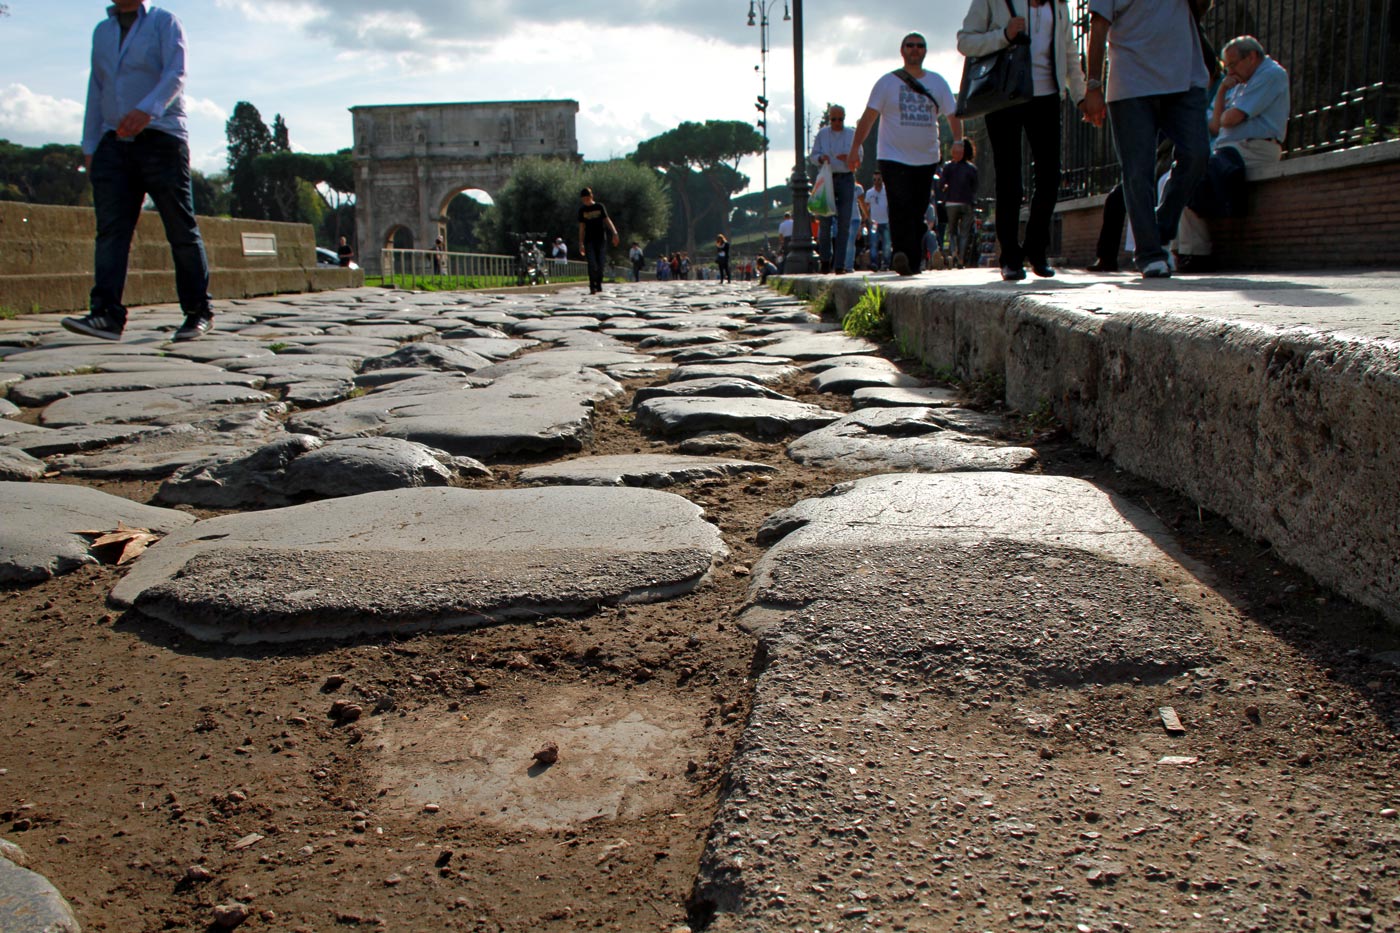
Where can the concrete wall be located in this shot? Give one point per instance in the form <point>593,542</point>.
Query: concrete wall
<point>1289,434</point>
<point>46,259</point>
<point>1331,210</point>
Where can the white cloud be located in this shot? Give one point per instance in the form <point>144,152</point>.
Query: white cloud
<point>204,107</point>
<point>33,119</point>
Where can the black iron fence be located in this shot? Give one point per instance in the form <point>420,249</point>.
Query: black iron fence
<point>1343,60</point>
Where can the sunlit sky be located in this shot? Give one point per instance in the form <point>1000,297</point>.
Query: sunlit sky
<point>636,69</point>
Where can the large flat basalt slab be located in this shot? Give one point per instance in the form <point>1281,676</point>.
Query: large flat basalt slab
<point>753,415</point>
<point>904,439</point>
<point>39,392</point>
<point>911,626</point>
<point>39,525</point>
<point>152,406</point>
<point>423,559</point>
<point>639,470</point>
<point>539,410</point>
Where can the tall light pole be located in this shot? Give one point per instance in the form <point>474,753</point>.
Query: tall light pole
<point>758,15</point>
<point>802,253</point>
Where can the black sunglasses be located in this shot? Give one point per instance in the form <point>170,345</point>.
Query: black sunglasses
<point>915,45</point>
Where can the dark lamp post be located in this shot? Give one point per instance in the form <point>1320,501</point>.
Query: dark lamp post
<point>802,251</point>
<point>758,16</point>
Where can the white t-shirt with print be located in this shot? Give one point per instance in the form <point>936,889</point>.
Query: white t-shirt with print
<point>908,119</point>
<point>878,202</point>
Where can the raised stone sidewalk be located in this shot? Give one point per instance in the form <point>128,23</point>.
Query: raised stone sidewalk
<point>1273,400</point>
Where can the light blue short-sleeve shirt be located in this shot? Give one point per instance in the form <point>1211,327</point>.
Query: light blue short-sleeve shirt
<point>1265,98</point>
<point>1152,48</point>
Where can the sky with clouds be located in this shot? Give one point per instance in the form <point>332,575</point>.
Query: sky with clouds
<point>636,69</point>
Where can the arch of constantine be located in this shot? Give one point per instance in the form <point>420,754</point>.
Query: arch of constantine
<point>411,160</point>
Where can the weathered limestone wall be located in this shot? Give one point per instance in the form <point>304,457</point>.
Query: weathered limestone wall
<point>46,259</point>
<point>1289,434</point>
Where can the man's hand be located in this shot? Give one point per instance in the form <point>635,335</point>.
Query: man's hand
<point>581,250</point>
<point>1093,107</point>
<point>853,159</point>
<point>614,239</point>
<point>87,164</point>
<point>1015,27</point>
<point>822,160</point>
<point>1231,80</point>
<point>133,123</point>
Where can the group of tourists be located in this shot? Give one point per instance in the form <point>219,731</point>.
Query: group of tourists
<point>1159,66</point>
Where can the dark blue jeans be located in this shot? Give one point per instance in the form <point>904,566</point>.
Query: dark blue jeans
<point>1136,121</point>
<point>596,254</point>
<point>123,172</point>
<point>832,240</point>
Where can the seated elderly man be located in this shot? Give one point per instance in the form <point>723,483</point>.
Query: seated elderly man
<point>1249,120</point>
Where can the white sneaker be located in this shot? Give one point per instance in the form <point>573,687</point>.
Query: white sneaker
<point>1157,269</point>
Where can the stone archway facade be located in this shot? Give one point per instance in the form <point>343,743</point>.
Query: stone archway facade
<point>410,159</point>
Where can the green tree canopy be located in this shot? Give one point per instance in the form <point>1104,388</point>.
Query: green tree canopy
<point>709,150</point>
<point>51,174</point>
<point>542,197</point>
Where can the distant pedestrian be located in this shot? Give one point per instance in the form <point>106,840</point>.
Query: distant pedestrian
<point>345,252</point>
<point>439,255</point>
<point>959,183</point>
<point>722,258</point>
<point>663,269</point>
<point>595,231</point>
<point>832,146</point>
<point>908,103</point>
<point>135,144</point>
<point>878,202</point>
<point>991,25</point>
<point>634,256</point>
<point>1156,83</point>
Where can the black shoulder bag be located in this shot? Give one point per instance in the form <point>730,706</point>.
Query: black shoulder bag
<point>999,79</point>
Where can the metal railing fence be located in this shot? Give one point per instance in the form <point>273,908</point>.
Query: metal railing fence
<point>426,268</point>
<point>1343,61</point>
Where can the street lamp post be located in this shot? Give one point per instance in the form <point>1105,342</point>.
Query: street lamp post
<point>758,15</point>
<point>802,252</point>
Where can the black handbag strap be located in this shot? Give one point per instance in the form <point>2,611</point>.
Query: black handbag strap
<point>915,86</point>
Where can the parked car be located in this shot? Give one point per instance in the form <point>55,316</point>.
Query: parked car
<point>327,257</point>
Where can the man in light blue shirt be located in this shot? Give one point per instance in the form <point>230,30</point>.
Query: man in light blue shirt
<point>1249,116</point>
<point>1156,84</point>
<point>135,144</point>
<point>832,146</point>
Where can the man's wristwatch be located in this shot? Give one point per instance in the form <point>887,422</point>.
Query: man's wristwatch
<point>1093,84</point>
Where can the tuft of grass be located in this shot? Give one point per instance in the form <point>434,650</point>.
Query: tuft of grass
<point>278,347</point>
<point>867,318</point>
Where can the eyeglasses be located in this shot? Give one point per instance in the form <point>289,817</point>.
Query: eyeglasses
<point>915,45</point>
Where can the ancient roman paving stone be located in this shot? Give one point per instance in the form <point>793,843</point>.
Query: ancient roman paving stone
<point>918,398</point>
<point>764,373</point>
<point>720,387</point>
<point>421,559</point>
<point>8,409</point>
<point>755,415</point>
<point>29,903</point>
<point>651,470</point>
<point>818,346</point>
<point>903,439</point>
<point>887,611</point>
<point>46,442</point>
<point>541,411</point>
<point>866,362</point>
<point>36,393</point>
<point>847,379</point>
<point>429,356</point>
<point>39,524</point>
<point>299,466</point>
<point>151,406</point>
<point>17,465</point>
<point>709,443</point>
